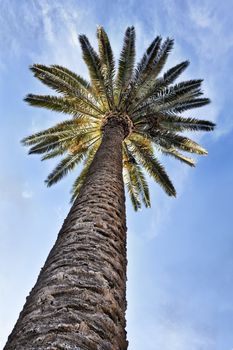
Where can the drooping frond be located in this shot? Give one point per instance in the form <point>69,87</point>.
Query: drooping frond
<point>168,139</point>
<point>66,164</point>
<point>126,63</point>
<point>135,180</point>
<point>153,167</point>
<point>174,153</point>
<point>52,154</point>
<point>132,188</point>
<point>51,143</point>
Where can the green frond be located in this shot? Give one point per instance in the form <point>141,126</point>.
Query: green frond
<point>154,168</point>
<point>165,49</point>
<point>126,63</point>
<point>168,139</point>
<point>137,185</point>
<point>145,66</point>
<point>93,63</point>
<point>143,72</point>
<point>73,78</point>
<point>174,153</point>
<point>169,97</point>
<point>64,166</point>
<point>68,139</point>
<point>132,187</point>
<point>54,131</point>
<point>55,153</point>
<point>177,123</point>
<point>144,89</point>
<point>73,106</point>
<point>50,143</point>
<point>64,83</point>
<point>106,61</point>
<point>144,189</point>
<point>190,104</point>
<point>159,84</point>
<point>173,73</point>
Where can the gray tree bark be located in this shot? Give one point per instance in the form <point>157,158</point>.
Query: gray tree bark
<point>79,299</point>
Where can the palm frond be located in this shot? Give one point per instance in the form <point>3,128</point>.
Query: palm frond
<point>173,73</point>
<point>73,106</point>
<point>64,166</point>
<point>93,63</point>
<point>170,97</point>
<point>159,84</point>
<point>132,187</point>
<point>65,83</point>
<point>52,154</point>
<point>137,179</point>
<point>51,143</point>
<point>106,61</point>
<point>153,167</point>
<point>60,128</point>
<point>73,79</point>
<point>145,66</point>
<point>126,63</point>
<point>165,49</point>
<point>177,155</point>
<point>190,104</point>
<point>168,139</point>
<point>177,123</point>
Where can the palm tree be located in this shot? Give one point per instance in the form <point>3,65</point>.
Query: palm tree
<point>119,122</point>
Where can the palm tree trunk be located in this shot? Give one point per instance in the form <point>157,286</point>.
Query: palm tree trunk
<point>79,299</point>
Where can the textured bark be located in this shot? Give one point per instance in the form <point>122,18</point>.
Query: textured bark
<point>79,299</point>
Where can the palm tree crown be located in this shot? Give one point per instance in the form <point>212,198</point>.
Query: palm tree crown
<point>148,103</point>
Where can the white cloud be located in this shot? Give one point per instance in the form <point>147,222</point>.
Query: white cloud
<point>27,194</point>
<point>169,335</point>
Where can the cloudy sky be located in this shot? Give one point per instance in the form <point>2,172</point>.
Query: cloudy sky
<point>180,280</point>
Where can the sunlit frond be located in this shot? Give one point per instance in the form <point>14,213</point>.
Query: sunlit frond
<point>67,105</point>
<point>174,153</point>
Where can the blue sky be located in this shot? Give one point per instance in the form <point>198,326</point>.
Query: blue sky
<point>180,281</point>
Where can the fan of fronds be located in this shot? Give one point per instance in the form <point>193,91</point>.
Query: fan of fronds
<point>151,100</point>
